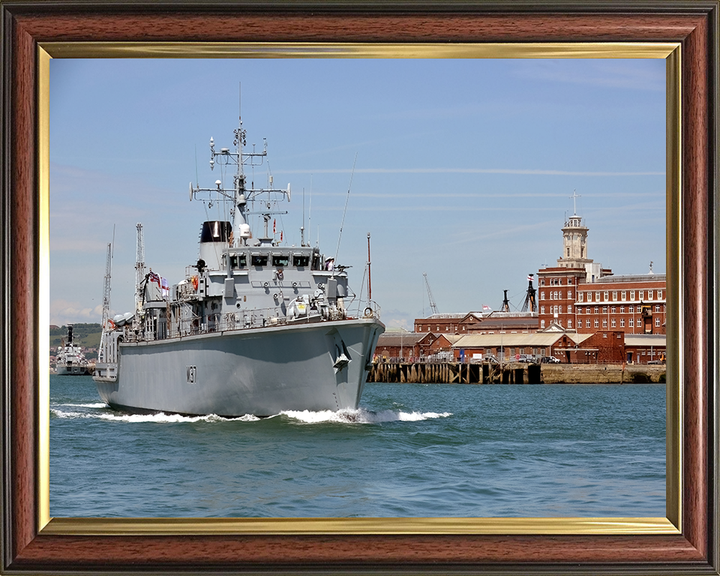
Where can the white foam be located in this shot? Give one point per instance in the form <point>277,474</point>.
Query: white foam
<point>159,418</point>
<point>361,416</point>
<point>92,405</point>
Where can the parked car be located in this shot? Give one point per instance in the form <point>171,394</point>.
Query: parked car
<point>525,358</point>
<point>550,360</point>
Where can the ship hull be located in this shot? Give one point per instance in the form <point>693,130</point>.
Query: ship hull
<point>263,371</point>
<point>72,370</point>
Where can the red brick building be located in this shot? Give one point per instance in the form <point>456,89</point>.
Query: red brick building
<point>446,323</point>
<point>579,294</point>
<point>632,304</point>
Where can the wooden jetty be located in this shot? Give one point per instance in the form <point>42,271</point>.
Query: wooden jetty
<point>455,373</point>
<point>513,373</point>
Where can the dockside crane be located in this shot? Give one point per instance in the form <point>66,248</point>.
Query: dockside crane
<point>433,307</point>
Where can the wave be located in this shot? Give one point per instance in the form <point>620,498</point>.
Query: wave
<point>361,416</point>
<point>158,417</point>
<point>101,411</point>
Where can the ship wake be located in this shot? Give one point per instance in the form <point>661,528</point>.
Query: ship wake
<point>100,411</point>
<point>361,416</point>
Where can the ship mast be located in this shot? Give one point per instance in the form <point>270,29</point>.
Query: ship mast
<point>106,301</point>
<point>139,266</point>
<point>240,194</point>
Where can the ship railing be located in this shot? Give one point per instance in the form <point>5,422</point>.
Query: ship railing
<point>193,325</point>
<point>370,310</point>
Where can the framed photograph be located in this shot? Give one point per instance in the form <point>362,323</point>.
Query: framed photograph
<point>682,34</point>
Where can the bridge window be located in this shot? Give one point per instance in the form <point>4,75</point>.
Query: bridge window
<point>259,259</point>
<point>238,261</point>
<point>281,260</point>
<point>301,261</point>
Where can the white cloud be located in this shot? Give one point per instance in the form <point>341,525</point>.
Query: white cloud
<point>63,312</point>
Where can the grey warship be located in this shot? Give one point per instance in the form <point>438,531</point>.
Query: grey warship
<point>255,326</point>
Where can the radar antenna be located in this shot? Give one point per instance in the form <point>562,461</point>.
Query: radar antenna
<point>433,307</point>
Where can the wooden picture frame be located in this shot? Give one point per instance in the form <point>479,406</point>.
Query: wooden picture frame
<point>687,541</point>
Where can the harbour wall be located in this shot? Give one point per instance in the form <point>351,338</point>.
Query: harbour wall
<point>514,373</point>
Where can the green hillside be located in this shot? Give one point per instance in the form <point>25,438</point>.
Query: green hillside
<point>85,335</point>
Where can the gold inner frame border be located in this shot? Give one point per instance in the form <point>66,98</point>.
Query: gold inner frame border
<point>671,524</point>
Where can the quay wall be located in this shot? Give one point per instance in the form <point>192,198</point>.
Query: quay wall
<point>514,373</point>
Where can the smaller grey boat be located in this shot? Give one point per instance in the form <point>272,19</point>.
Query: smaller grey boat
<point>70,359</point>
<point>256,326</point>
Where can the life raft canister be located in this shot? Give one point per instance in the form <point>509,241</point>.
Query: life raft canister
<point>194,281</point>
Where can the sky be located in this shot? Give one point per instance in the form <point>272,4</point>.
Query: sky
<point>463,170</point>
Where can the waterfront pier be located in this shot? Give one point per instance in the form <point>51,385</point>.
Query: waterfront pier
<point>513,373</point>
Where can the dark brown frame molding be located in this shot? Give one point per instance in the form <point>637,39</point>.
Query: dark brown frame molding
<point>27,24</point>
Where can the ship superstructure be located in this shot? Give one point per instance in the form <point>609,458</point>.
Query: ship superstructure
<point>254,327</point>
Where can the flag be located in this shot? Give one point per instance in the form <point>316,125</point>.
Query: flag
<point>165,286</point>
<point>152,277</point>
<point>530,277</point>
<point>486,307</point>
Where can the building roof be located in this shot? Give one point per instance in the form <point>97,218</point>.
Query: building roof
<point>452,338</point>
<point>645,340</point>
<point>400,338</point>
<point>624,278</point>
<point>534,339</point>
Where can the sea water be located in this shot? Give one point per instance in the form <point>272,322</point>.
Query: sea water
<point>410,450</point>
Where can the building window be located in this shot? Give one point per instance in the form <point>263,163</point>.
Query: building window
<point>632,294</point>
<point>580,296</point>
<point>596,309</point>
<point>587,323</point>
<point>650,294</point>
<point>596,323</point>
<point>660,294</point>
<point>542,282</point>
<point>570,281</point>
<point>597,296</point>
<point>542,295</point>
<point>569,308</point>
<point>612,322</point>
<point>542,323</point>
<point>569,323</point>
<point>631,322</point>
<point>614,296</point>
<point>604,309</point>
<point>612,310</point>
<point>622,322</point>
<point>639,310</point>
<point>606,295</point>
<point>542,309</point>
<point>623,295</point>
<point>604,323</point>
<point>657,322</point>
<point>641,294</point>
